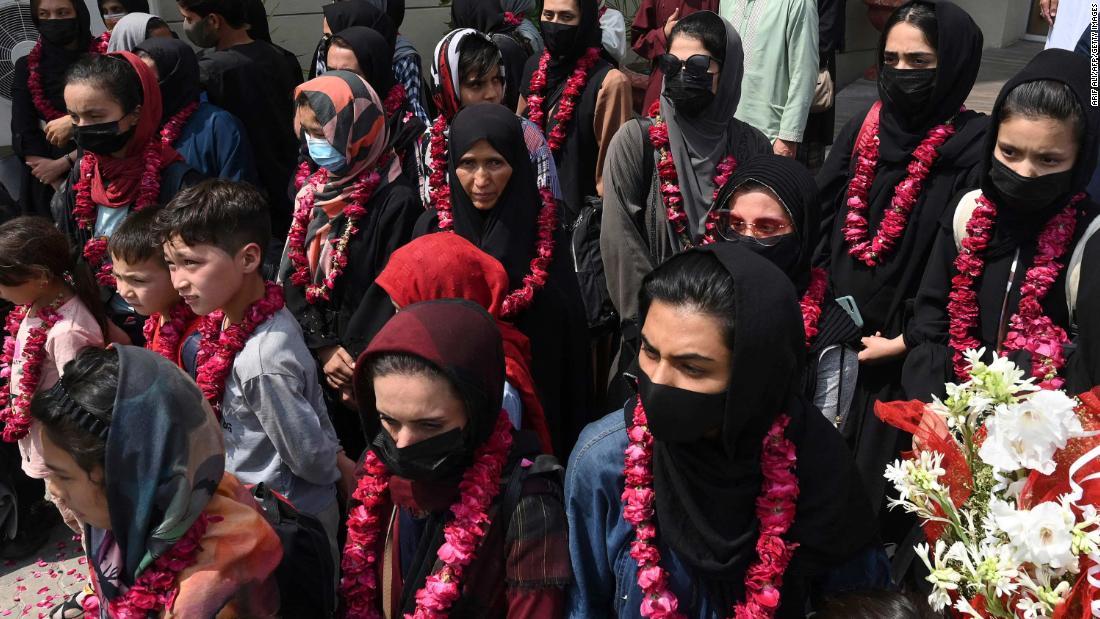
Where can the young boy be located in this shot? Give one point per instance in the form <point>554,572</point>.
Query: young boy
<point>253,364</point>
<point>142,280</point>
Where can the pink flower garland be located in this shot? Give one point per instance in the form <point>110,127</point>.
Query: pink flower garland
<point>34,79</point>
<point>158,585</point>
<point>15,413</point>
<point>361,192</point>
<point>775,508</point>
<point>218,348</point>
<point>811,303</point>
<point>669,184</point>
<point>574,86</point>
<point>871,252</point>
<point>439,192</point>
<point>1031,330</point>
<point>84,208</point>
<point>170,332</point>
<point>512,19</point>
<point>479,486</point>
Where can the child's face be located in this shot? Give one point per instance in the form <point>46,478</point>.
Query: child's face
<point>27,292</point>
<point>80,490</point>
<point>1036,146</point>
<point>207,277</point>
<point>145,285</point>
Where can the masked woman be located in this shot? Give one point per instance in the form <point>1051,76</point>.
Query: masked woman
<point>459,514</point>
<point>126,162</point>
<point>352,210</point>
<point>691,141</point>
<point>211,140</point>
<point>37,97</point>
<point>888,181</point>
<point>739,496</point>
<point>1015,270</point>
<point>447,266</point>
<point>495,203</point>
<point>769,206</point>
<point>134,28</point>
<point>576,97</point>
<point>134,449</point>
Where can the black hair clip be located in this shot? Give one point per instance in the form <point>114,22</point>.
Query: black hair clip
<point>87,420</point>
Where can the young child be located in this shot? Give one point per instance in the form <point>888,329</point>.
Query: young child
<point>253,365</point>
<point>58,312</point>
<point>142,280</point>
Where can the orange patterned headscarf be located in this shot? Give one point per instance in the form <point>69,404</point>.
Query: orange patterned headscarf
<point>352,121</point>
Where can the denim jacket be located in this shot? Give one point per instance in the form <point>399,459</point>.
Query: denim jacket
<point>605,575</point>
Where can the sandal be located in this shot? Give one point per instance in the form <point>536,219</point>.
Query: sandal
<point>72,608</point>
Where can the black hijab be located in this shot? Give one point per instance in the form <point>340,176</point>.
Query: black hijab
<point>133,6</point>
<point>481,15</point>
<point>55,61</point>
<point>796,190</point>
<point>374,55</point>
<point>706,490</point>
<point>561,66</point>
<point>177,72</point>
<point>256,15</point>
<point>344,15</point>
<point>959,49</point>
<point>508,231</point>
<point>1072,70</point>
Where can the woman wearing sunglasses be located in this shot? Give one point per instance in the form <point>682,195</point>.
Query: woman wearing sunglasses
<point>662,171</point>
<point>769,206</point>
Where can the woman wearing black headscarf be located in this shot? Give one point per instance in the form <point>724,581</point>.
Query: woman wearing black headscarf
<point>769,206</point>
<point>599,97</point>
<point>723,348</point>
<point>112,11</point>
<point>506,218</point>
<point>502,28</point>
<point>365,52</point>
<point>48,153</point>
<point>212,141</point>
<point>1040,153</point>
<point>430,388</point>
<point>406,60</point>
<point>882,279</point>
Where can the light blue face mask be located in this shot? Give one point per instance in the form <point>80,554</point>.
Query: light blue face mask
<point>324,154</point>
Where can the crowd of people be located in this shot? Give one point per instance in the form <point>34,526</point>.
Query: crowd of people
<point>505,339</point>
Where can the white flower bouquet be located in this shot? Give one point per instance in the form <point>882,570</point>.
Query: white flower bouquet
<point>1005,478</point>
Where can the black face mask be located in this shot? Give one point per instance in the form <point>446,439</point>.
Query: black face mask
<point>102,138</point>
<point>690,91</point>
<point>678,415</point>
<point>560,39</point>
<point>59,32</point>
<point>437,458</point>
<point>783,252</point>
<point>1028,194</point>
<point>908,91</point>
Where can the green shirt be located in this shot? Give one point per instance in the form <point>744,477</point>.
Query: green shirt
<point>780,42</point>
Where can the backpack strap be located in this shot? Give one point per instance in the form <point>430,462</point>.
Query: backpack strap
<point>964,210</point>
<point>1073,269</point>
<point>864,135</point>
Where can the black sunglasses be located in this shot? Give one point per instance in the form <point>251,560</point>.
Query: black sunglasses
<point>671,65</point>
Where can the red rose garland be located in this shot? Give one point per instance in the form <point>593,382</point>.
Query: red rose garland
<point>1031,330</point>
<point>811,303</point>
<point>15,413</point>
<point>872,251</point>
<point>512,19</point>
<point>394,98</point>
<point>170,332</point>
<point>157,586</point>
<point>439,192</point>
<point>84,208</point>
<point>361,192</point>
<point>479,486</point>
<point>669,184</point>
<point>218,348</point>
<point>574,86</point>
<point>775,509</point>
<point>34,79</point>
